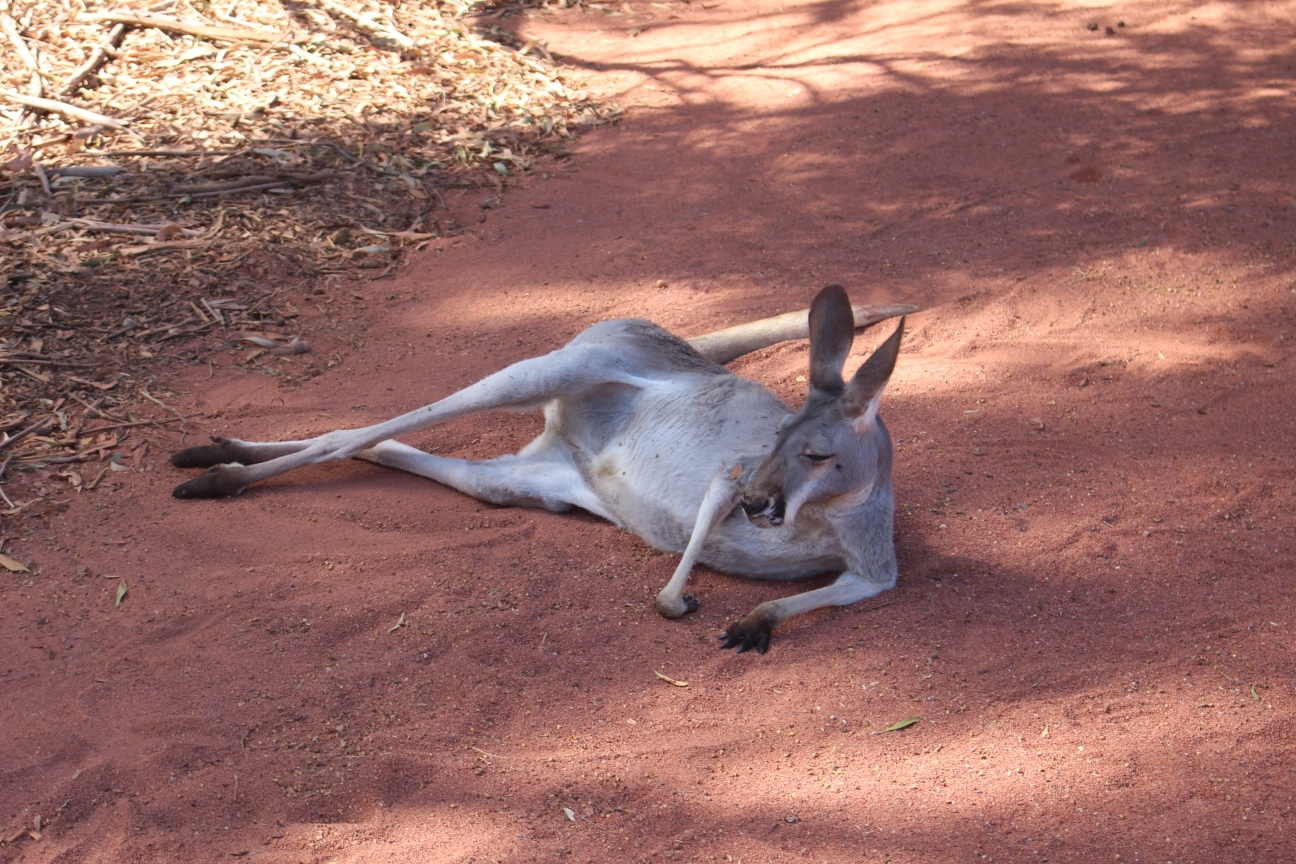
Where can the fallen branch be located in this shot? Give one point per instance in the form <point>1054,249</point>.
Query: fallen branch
<point>318,177</point>
<point>136,200</point>
<point>56,107</point>
<point>87,171</point>
<point>112,227</point>
<point>14,361</point>
<point>94,61</point>
<point>225,34</point>
<point>37,460</point>
<point>176,153</point>
<point>160,247</point>
<point>251,180</point>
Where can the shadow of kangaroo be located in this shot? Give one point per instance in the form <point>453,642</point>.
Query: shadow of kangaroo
<point>651,433</point>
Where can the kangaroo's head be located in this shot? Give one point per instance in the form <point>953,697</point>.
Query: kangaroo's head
<point>834,449</point>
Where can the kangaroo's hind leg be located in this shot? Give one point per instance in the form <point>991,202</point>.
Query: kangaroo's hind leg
<point>548,479</point>
<point>568,372</point>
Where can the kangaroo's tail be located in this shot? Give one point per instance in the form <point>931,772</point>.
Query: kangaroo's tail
<point>733,342</point>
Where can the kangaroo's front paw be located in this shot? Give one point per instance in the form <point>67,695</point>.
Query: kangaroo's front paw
<point>218,482</point>
<point>752,631</point>
<point>676,607</point>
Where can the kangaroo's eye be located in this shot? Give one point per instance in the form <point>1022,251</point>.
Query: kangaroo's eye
<point>815,457</point>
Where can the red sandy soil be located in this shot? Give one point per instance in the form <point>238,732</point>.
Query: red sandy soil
<point>1094,478</point>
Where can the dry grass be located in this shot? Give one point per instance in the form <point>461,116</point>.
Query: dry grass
<point>294,139</point>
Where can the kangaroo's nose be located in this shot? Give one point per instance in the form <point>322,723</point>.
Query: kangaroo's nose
<point>755,506</point>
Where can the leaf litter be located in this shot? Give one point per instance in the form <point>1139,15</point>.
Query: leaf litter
<point>161,164</point>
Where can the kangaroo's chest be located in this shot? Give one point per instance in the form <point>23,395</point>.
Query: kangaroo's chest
<point>654,471</point>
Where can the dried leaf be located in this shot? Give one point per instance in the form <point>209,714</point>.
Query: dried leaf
<point>670,680</point>
<point>400,622</point>
<point>571,814</point>
<point>13,565</point>
<point>898,725</point>
<point>121,592</point>
<point>19,163</point>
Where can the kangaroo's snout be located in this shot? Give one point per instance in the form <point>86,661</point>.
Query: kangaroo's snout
<point>765,512</point>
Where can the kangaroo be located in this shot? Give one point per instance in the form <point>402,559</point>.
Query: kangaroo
<point>651,433</point>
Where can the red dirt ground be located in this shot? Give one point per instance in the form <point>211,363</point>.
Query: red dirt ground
<point>1094,424</point>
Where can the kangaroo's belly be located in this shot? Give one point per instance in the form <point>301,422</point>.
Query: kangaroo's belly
<point>654,473</point>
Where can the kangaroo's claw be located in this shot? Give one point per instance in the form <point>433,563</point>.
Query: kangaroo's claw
<point>691,603</point>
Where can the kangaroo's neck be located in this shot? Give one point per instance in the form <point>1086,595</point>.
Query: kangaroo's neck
<point>866,531</point>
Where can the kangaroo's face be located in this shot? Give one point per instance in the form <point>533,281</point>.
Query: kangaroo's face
<point>835,449</point>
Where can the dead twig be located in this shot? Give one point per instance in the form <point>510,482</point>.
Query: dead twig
<point>176,153</point>
<point>227,189</point>
<point>225,34</point>
<point>149,396</point>
<point>56,107</point>
<point>175,419</point>
<point>163,246</point>
<point>24,53</point>
<point>251,180</point>
<point>90,487</point>
<point>88,171</point>
<point>97,410</point>
<point>94,61</point>
<point>30,430</point>
<point>14,361</point>
<point>42,176</point>
<point>318,177</point>
<point>491,755</point>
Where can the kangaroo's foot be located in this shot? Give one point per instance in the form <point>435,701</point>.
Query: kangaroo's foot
<point>220,481</point>
<point>676,607</point>
<point>750,631</point>
<point>221,451</point>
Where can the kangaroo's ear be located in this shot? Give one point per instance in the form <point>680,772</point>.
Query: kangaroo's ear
<point>864,391</point>
<point>832,329</point>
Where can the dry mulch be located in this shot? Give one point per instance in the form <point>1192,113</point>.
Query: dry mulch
<point>198,158</point>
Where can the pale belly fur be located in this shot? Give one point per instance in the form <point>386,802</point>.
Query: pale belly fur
<point>653,473</point>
